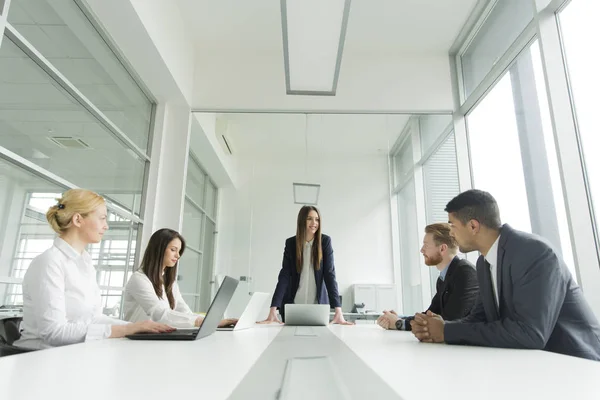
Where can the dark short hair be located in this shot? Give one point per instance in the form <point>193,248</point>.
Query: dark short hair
<point>441,235</point>
<point>475,204</point>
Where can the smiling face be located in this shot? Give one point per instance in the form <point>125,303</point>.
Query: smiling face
<point>312,223</point>
<point>172,253</point>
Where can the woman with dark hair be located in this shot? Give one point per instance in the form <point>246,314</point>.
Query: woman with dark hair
<point>152,291</point>
<point>307,273</point>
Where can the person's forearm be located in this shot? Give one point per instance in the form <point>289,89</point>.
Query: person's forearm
<point>119,331</point>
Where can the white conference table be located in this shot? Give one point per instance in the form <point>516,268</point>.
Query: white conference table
<point>212,367</point>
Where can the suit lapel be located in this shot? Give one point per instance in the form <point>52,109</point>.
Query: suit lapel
<point>505,233</point>
<point>444,284</point>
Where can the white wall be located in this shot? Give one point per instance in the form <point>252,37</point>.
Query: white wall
<point>354,202</point>
<point>398,82</point>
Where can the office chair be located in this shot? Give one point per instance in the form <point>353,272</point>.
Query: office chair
<point>8,335</point>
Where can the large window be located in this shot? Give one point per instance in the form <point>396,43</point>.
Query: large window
<point>580,31</point>
<point>496,154</point>
<point>195,274</point>
<point>71,115</point>
<point>513,155</point>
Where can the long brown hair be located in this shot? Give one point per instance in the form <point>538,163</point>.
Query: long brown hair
<point>317,251</point>
<point>152,263</point>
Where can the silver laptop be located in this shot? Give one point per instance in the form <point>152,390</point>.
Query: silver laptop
<point>213,316</point>
<point>250,315</point>
<point>307,314</point>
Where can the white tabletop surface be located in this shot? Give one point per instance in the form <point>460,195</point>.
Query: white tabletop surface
<point>210,368</point>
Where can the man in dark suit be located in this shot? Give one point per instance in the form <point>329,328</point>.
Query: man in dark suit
<point>528,298</point>
<point>456,287</point>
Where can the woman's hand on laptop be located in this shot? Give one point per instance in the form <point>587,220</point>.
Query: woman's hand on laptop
<point>198,322</point>
<point>228,322</point>
<point>338,317</point>
<point>118,331</point>
<point>272,317</point>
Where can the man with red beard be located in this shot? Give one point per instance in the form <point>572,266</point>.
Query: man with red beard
<point>456,287</point>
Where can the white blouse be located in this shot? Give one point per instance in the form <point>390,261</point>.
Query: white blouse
<point>142,303</point>
<point>307,287</point>
<point>61,300</point>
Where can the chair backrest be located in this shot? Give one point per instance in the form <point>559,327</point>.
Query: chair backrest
<point>9,333</point>
<point>10,329</point>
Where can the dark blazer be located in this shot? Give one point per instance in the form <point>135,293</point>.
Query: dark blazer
<point>455,295</point>
<point>289,278</point>
<point>540,305</point>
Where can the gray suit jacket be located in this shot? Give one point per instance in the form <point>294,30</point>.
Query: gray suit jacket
<point>540,305</point>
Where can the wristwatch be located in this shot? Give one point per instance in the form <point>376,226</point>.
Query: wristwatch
<point>400,324</point>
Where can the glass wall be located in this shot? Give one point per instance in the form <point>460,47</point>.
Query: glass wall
<point>196,270</point>
<point>425,179</point>
<point>71,115</point>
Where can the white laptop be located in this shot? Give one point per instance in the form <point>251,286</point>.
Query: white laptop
<point>307,314</point>
<point>250,315</point>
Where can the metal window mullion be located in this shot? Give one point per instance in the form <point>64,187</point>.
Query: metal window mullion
<point>194,204</point>
<point>19,40</point>
<point>193,249</point>
<point>497,71</point>
<point>202,261</point>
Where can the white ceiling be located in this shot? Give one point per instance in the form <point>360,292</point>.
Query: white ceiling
<point>285,135</point>
<point>374,26</point>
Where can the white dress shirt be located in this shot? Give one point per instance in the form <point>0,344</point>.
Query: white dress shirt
<point>142,303</point>
<point>61,300</point>
<point>307,288</point>
<point>492,258</point>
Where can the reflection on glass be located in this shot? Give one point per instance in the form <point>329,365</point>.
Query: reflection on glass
<point>495,152</point>
<point>44,125</point>
<point>403,162</point>
<point>430,128</point>
<point>207,266</point>
<point>505,23</point>
<point>211,199</point>
<point>192,226</point>
<point>26,234</point>
<point>196,178</point>
<point>62,33</point>
<point>409,250</point>
<point>187,273</point>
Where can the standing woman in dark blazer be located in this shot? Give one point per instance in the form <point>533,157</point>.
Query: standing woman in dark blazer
<point>307,273</point>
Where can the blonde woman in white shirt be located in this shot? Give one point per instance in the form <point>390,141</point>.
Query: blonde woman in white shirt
<point>61,299</point>
<point>152,291</point>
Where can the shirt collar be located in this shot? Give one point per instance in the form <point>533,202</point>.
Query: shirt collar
<point>492,255</point>
<point>68,250</point>
<point>444,271</point>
